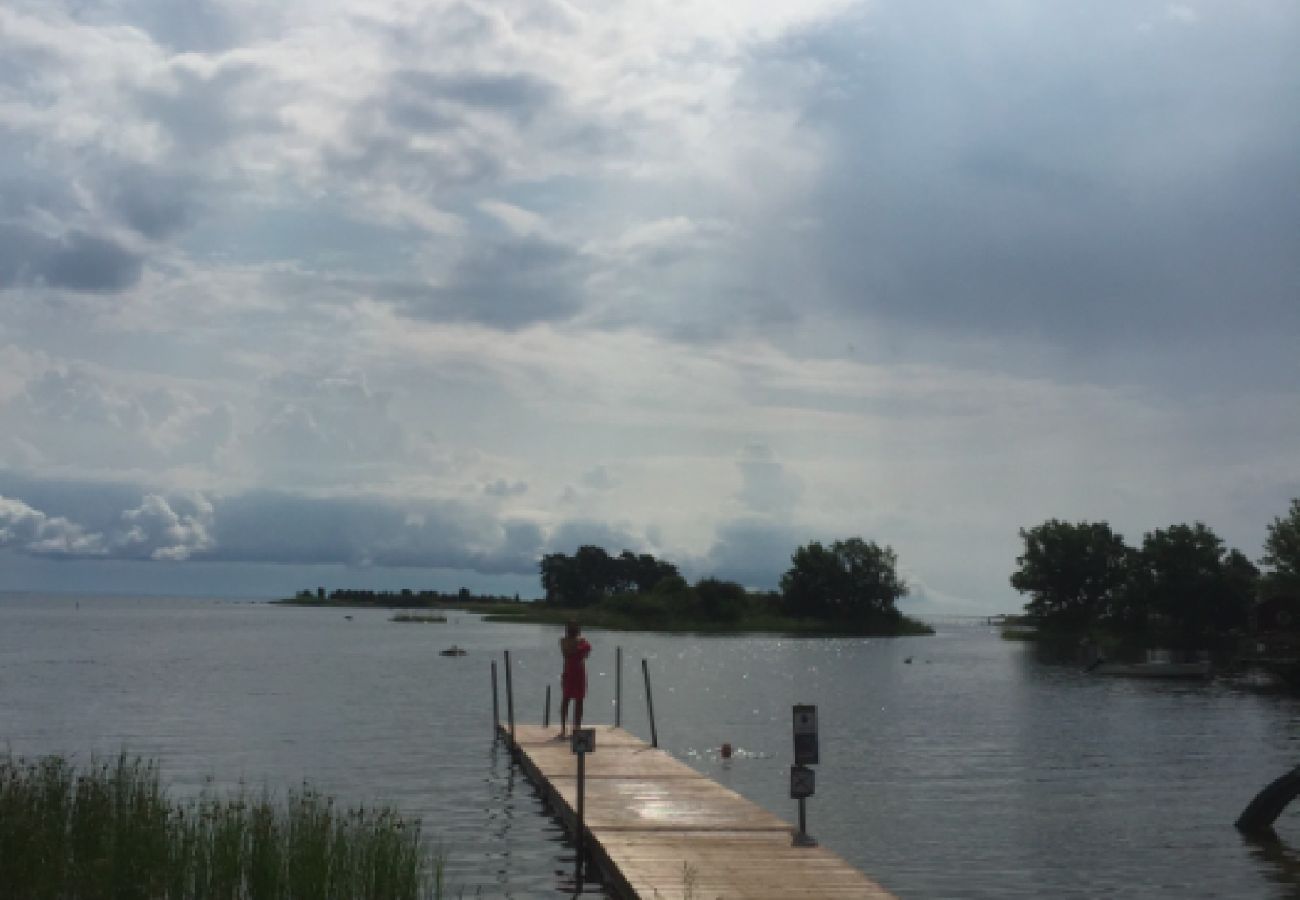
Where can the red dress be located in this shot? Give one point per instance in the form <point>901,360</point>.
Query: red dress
<point>573,681</point>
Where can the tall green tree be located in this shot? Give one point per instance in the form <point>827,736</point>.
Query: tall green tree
<point>643,572</point>
<point>591,575</point>
<point>1074,573</point>
<point>1282,550</point>
<point>851,580</point>
<point>1197,592</point>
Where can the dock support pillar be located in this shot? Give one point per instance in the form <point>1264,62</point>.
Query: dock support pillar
<point>618,687</point>
<point>546,713</point>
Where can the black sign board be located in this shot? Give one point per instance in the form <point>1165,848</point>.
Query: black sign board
<point>803,782</point>
<point>584,740</point>
<point>805,736</point>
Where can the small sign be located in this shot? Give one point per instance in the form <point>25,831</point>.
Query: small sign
<point>805,735</point>
<point>584,740</point>
<point>803,782</point>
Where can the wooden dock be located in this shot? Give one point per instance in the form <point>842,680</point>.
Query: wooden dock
<point>659,830</point>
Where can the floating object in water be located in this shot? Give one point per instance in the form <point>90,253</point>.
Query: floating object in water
<point>349,618</point>
<point>725,750</point>
<point>452,651</point>
<point>908,660</point>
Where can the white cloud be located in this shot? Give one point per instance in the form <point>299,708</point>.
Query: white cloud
<point>32,531</point>
<point>156,531</point>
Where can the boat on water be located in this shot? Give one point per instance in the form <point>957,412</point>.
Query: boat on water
<point>452,651</point>
<point>1158,664</point>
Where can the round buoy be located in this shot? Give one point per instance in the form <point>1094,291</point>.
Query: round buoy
<point>726,751</point>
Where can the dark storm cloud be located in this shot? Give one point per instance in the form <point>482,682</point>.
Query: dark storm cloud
<point>78,261</point>
<point>506,284</point>
<point>1087,174</point>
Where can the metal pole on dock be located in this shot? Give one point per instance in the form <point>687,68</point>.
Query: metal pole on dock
<point>510,702</point>
<point>649,702</point>
<point>618,686</point>
<point>496,708</point>
<point>546,714</point>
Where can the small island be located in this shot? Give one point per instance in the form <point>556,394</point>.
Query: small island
<point>849,587</point>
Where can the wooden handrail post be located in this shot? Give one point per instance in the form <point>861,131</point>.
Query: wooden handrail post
<point>649,702</point>
<point>618,686</point>
<point>496,708</point>
<point>510,702</point>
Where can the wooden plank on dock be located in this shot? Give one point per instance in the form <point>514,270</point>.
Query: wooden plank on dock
<point>663,831</point>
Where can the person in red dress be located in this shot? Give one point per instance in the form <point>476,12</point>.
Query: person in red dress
<point>573,681</point>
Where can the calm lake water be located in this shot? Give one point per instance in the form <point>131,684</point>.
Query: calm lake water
<point>974,771</point>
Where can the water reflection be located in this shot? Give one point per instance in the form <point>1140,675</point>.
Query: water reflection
<point>1278,860</point>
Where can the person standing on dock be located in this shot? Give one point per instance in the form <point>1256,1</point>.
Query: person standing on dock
<point>573,681</point>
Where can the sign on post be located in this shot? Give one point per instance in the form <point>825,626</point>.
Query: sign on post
<point>583,741</point>
<point>805,735</point>
<point>803,782</point>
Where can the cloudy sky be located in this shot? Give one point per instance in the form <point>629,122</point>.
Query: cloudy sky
<point>394,292</point>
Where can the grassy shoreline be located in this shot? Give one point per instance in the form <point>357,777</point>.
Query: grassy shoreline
<point>110,830</point>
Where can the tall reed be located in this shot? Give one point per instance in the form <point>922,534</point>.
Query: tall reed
<point>110,831</point>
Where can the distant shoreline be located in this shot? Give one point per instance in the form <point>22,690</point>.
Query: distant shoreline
<point>536,613</point>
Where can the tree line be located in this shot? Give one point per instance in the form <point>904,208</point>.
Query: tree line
<point>848,582</point>
<point>1181,587</point>
<point>397,599</point>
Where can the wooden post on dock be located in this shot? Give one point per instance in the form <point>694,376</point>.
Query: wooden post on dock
<point>618,686</point>
<point>496,709</point>
<point>582,796</point>
<point>649,702</point>
<point>546,713</point>
<point>510,701</point>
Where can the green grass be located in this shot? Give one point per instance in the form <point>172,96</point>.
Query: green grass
<point>110,832</point>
